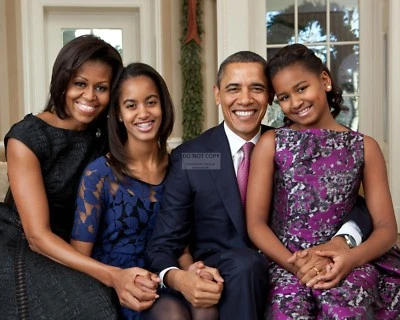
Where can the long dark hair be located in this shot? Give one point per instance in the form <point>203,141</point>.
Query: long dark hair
<point>300,54</point>
<point>70,58</point>
<point>117,134</point>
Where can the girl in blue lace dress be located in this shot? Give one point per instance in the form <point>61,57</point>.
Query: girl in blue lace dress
<point>120,194</point>
<point>314,168</point>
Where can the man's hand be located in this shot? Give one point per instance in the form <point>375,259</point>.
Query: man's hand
<point>136,288</point>
<point>203,271</point>
<point>311,266</point>
<point>199,291</point>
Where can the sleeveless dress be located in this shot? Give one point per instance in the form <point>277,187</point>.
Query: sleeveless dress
<point>33,286</point>
<point>117,217</point>
<point>317,178</point>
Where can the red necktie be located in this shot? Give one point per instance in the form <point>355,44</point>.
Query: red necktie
<point>243,171</point>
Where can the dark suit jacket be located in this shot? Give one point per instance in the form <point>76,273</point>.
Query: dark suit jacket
<point>200,207</point>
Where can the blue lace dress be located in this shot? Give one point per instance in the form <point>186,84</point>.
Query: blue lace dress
<point>118,218</point>
<point>317,178</point>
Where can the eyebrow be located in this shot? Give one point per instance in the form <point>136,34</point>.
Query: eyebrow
<point>299,84</point>
<point>147,98</point>
<point>295,86</point>
<point>254,84</point>
<point>81,77</point>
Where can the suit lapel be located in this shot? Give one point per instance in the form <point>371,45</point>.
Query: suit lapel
<point>225,180</point>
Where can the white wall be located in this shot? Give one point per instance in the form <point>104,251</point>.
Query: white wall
<point>393,102</point>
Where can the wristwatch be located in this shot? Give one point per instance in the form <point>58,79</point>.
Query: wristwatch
<point>350,241</point>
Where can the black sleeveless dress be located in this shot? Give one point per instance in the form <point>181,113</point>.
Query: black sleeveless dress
<point>33,286</point>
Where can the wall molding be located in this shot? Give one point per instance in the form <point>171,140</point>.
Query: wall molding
<point>240,26</point>
<point>393,101</point>
<point>174,142</point>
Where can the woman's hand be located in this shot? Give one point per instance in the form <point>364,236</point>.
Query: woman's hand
<point>136,288</point>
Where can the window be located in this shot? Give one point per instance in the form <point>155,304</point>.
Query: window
<point>331,29</point>
<point>112,36</point>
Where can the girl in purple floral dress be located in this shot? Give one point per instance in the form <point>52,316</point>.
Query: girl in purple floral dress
<point>309,172</point>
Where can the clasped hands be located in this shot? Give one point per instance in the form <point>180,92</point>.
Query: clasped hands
<point>136,287</point>
<point>201,285</point>
<point>323,266</point>
<point>319,267</point>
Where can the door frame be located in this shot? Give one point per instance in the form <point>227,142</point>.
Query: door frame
<point>33,37</point>
<point>93,18</point>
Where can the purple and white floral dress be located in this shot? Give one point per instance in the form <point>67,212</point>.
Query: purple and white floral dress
<point>317,178</point>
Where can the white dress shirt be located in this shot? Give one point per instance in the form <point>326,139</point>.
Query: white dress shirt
<point>236,143</point>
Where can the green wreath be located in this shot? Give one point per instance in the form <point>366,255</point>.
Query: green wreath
<point>192,82</point>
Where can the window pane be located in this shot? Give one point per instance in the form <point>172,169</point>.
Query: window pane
<point>345,65</point>
<point>344,20</point>
<point>69,34</point>
<point>320,52</point>
<point>112,36</point>
<point>349,114</point>
<point>312,21</point>
<point>274,115</point>
<point>280,21</point>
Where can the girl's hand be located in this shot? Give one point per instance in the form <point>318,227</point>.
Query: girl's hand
<point>342,265</point>
<point>147,283</point>
<point>305,261</point>
<point>136,288</point>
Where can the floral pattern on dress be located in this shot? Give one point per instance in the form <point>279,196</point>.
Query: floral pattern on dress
<point>317,178</point>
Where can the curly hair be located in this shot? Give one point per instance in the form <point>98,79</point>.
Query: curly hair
<point>300,54</point>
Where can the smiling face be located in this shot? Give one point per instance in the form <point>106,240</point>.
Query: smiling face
<point>88,93</point>
<point>302,96</point>
<point>243,97</point>
<point>140,108</point>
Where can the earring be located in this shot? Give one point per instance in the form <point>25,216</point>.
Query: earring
<point>328,87</point>
<point>120,120</point>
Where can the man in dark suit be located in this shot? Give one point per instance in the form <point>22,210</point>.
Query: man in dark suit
<point>202,206</point>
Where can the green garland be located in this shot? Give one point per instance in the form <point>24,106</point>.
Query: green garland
<point>192,82</point>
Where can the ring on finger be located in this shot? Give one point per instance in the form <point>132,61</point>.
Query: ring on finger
<point>316,270</point>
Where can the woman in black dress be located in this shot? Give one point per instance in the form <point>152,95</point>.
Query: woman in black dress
<point>41,275</point>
